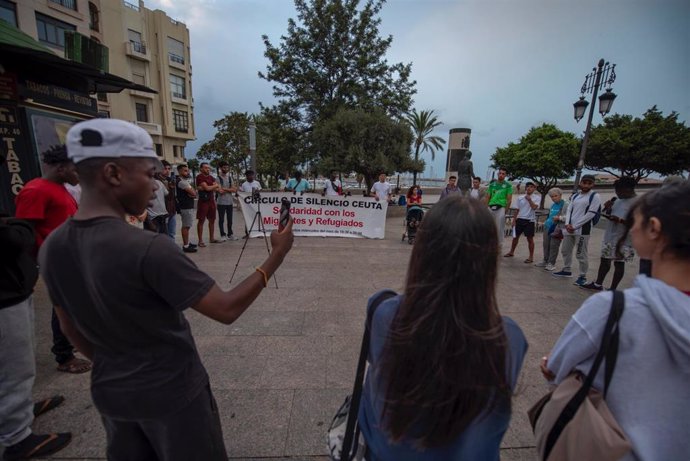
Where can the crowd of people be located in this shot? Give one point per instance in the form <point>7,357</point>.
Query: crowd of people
<point>444,362</point>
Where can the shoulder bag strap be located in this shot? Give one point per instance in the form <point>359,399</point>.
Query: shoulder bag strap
<point>608,349</point>
<point>349,448</point>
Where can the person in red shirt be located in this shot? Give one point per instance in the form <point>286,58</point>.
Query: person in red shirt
<point>206,207</point>
<point>413,196</point>
<point>46,204</point>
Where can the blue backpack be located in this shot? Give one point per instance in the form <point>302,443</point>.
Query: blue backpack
<point>597,214</point>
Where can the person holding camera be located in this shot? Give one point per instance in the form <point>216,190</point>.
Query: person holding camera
<point>206,208</point>
<point>120,295</point>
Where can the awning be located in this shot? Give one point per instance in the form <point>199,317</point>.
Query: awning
<point>30,58</point>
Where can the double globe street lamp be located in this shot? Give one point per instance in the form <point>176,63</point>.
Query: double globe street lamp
<point>601,76</point>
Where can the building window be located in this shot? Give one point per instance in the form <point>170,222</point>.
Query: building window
<point>103,97</point>
<point>142,112</point>
<point>93,17</point>
<point>176,50</point>
<point>159,149</point>
<point>177,86</point>
<point>103,114</point>
<point>135,40</point>
<point>8,12</point>
<point>69,4</point>
<point>138,71</point>
<point>51,30</point>
<point>178,152</point>
<point>181,119</point>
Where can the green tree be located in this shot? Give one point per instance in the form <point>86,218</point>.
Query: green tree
<point>543,155</point>
<point>230,143</point>
<point>423,124</point>
<point>333,57</point>
<point>367,142</point>
<point>193,165</point>
<point>637,147</point>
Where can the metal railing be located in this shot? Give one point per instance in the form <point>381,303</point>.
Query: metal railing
<point>179,95</point>
<point>131,5</point>
<point>71,4</point>
<point>139,47</point>
<point>176,58</point>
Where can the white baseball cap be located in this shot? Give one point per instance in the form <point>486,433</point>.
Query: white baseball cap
<point>108,138</point>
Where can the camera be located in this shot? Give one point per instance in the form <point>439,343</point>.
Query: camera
<point>256,195</point>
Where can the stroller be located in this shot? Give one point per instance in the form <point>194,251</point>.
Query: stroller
<point>413,219</point>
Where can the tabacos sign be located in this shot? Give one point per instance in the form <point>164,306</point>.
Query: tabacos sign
<point>9,132</point>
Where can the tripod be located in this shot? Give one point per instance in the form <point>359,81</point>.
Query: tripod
<point>257,218</point>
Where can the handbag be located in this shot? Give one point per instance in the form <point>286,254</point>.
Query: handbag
<point>344,441</point>
<point>573,421</point>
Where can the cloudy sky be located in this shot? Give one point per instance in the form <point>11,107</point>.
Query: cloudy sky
<point>496,67</point>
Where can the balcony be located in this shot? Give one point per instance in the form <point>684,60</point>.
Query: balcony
<point>175,60</point>
<point>151,128</point>
<point>137,50</point>
<point>142,94</point>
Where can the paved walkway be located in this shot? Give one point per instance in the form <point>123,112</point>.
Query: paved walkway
<point>280,372</point>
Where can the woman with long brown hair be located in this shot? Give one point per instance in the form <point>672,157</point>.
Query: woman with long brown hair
<point>443,361</point>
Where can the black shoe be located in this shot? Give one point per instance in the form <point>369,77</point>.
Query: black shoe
<point>37,446</point>
<point>191,245</point>
<point>189,249</point>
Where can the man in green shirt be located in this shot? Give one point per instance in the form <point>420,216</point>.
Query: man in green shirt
<point>500,196</point>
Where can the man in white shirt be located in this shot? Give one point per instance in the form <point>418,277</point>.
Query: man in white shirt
<point>333,185</point>
<point>584,207</point>
<point>382,189</point>
<point>477,192</point>
<point>250,185</point>
<point>525,221</point>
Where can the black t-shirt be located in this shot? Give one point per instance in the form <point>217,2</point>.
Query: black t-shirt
<point>125,289</point>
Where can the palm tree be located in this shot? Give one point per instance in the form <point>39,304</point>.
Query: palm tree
<point>422,124</point>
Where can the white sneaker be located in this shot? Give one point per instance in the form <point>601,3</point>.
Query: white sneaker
<point>223,238</point>
<point>232,238</point>
<point>540,264</point>
<point>549,267</point>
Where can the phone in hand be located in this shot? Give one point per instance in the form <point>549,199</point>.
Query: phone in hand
<point>284,214</point>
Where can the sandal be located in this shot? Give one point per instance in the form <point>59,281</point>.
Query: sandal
<point>45,405</point>
<point>201,244</point>
<point>508,255</point>
<point>216,241</point>
<point>37,446</point>
<point>528,261</point>
<point>75,366</point>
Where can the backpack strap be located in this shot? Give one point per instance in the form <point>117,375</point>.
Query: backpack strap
<point>349,448</point>
<point>608,349</point>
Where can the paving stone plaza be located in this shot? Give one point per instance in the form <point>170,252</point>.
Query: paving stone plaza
<point>281,371</point>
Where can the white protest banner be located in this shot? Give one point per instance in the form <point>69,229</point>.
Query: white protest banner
<point>316,215</point>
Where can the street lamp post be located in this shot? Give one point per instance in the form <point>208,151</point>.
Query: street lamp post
<point>602,75</point>
<point>252,145</point>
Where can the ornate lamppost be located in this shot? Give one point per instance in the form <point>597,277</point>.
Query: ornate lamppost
<point>602,75</point>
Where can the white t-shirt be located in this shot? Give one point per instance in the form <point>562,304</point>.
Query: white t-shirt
<point>330,190</point>
<point>525,211</point>
<point>382,189</point>
<point>250,186</point>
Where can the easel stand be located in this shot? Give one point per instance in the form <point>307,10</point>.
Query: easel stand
<point>258,221</point>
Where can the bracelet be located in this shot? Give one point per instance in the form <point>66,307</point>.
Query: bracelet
<point>263,272</point>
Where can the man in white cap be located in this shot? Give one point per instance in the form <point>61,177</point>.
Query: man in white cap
<point>120,292</point>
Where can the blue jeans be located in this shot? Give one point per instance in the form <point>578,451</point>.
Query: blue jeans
<point>17,371</point>
<point>172,226</point>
